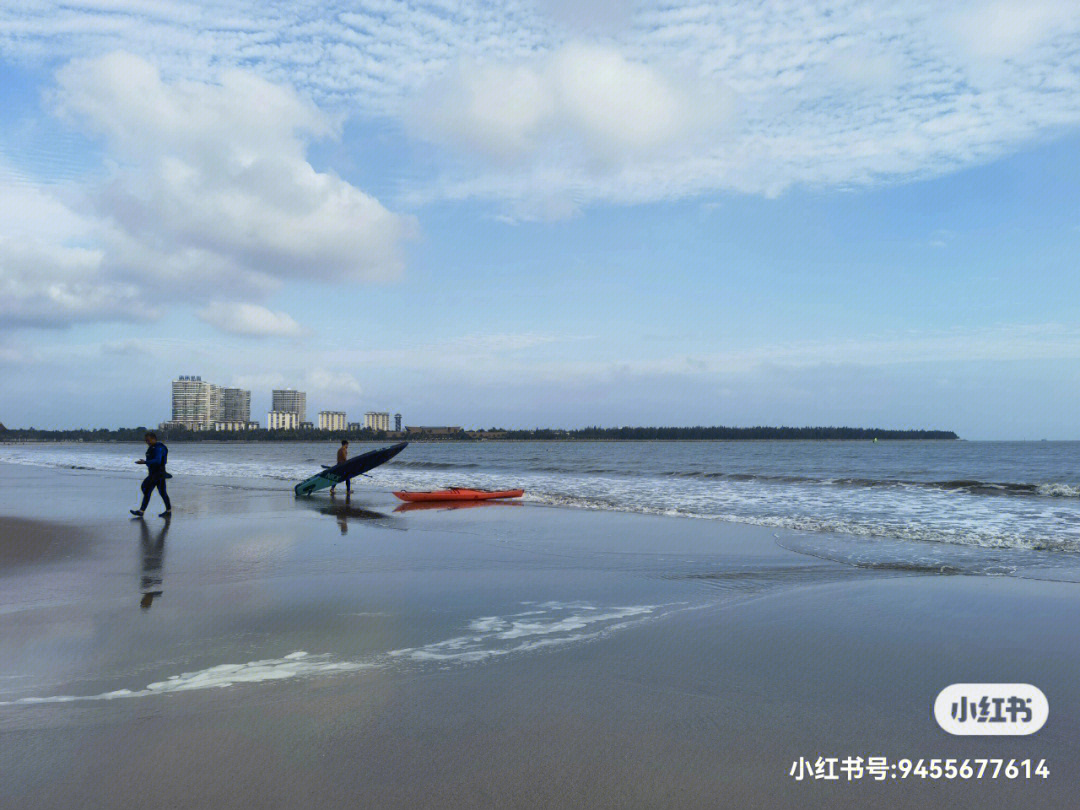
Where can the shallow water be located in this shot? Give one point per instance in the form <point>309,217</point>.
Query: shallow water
<point>1000,495</point>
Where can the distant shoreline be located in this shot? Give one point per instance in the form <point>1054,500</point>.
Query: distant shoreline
<point>654,434</point>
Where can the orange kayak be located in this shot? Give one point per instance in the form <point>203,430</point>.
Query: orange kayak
<point>457,494</point>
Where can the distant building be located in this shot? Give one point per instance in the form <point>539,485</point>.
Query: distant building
<point>397,422</point>
<point>282,420</point>
<point>354,427</point>
<point>236,425</point>
<point>331,420</point>
<point>288,400</point>
<point>432,431</point>
<point>196,405</point>
<point>307,425</point>
<point>235,405</point>
<point>377,420</point>
<point>200,405</point>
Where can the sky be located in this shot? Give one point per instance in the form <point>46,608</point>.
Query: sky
<point>545,213</point>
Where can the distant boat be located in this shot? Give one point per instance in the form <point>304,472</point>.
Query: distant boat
<point>458,494</point>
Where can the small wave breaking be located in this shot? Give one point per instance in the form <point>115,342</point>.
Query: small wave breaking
<point>909,497</point>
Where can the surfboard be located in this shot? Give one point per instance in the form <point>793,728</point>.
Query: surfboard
<point>340,473</point>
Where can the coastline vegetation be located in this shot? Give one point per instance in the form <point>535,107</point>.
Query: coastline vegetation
<point>701,433</point>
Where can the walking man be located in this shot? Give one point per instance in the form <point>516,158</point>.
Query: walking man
<point>342,457</point>
<point>156,456</point>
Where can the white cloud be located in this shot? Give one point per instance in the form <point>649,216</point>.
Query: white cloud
<point>693,100</point>
<point>583,96</point>
<point>848,93</point>
<point>616,102</point>
<point>250,319</point>
<point>219,170</point>
<point>581,16</point>
<point>495,110</point>
<point>209,194</point>
<point>54,285</point>
<point>48,274</point>
<point>322,381</point>
<point>1005,29</point>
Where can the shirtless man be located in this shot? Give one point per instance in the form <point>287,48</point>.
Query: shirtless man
<point>342,457</point>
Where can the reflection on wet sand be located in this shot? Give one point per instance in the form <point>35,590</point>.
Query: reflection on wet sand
<point>153,559</point>
<point>447,505</point>
<point>342,511</point>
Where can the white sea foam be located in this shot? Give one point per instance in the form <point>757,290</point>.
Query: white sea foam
<point>554,623</point>
<point>560,623</point>
<point>1059,490</point>
<point>294,665</point>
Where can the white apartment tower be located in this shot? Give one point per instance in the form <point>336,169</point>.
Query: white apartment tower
<point>282,420</point>
<point>195,404</point>
<point>377,420</point>
<point>291,401</point>
<point>331,420</point>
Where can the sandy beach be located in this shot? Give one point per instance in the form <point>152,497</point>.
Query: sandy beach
<point>263,651</point>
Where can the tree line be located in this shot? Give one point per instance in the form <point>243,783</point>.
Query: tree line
<point>760,433</point>
<point>701,433</point>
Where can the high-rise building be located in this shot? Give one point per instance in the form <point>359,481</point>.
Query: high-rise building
<point>397,422</point>
<point>377,420</point>
<point>282,420</point>
<point>215,404</point>
<point>235,405</point>
<point>196,404</point>
<point>289,400</point>
<point>331,420</point>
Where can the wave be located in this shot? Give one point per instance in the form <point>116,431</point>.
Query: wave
<point>281,470</point>
<point>907,531</point>
<point>953,510</point>
<point>938,559</point>
<point>431,465</point>
<point>969,486</point>
<point>1058,489</point>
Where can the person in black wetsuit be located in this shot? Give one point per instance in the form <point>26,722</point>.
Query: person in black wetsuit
<point>156,456</point>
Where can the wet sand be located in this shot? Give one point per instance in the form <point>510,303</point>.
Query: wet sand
<point>509,656</point>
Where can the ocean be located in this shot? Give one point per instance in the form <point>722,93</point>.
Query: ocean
<point>627,605</point>
<point>990,495</point>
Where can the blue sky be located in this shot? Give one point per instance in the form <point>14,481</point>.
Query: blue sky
<point>546,214</point>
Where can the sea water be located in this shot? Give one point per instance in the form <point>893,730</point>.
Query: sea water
<point>992,495</point>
